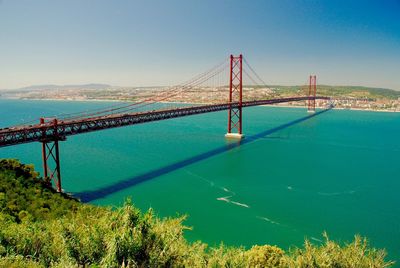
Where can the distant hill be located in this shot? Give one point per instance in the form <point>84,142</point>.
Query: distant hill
<point>325,90</point>
<point>344,91</point>
<point>58,87</point>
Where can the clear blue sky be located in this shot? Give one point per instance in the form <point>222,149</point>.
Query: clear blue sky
<point>134,43</point>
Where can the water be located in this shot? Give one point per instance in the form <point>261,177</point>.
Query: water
<point>292,178</point>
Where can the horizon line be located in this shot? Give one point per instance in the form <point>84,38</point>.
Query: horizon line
<point>163,86</point>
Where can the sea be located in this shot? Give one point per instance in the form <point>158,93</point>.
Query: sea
<point>295,175</point>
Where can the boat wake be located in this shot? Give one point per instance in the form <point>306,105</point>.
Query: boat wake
<point>212,184</point>
<point>268,220</point>
<point>349,192</point>
<point>337,193</point>
<point>227,199</point>
<point>224,198</point>
<point>316,239</point>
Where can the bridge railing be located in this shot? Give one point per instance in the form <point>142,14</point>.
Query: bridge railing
<point>49,132</point>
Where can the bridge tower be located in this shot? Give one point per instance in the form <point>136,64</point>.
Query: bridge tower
<point>50,151</point>
<point>312,92</point>
<point>235,98</point>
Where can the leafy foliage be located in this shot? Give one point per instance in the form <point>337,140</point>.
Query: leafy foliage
<point>23,196</point>
<point>80,235</point>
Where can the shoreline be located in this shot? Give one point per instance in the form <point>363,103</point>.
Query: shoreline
<point>198,103</point>
<point>334,108</point>
<point>99,100</point>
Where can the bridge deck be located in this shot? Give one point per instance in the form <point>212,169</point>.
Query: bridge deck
<point>64,128</point>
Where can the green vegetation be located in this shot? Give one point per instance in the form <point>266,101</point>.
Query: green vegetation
<point>25,196</point>
<point>359,92</point>
<point>342,91</point>
<point>42,228</point>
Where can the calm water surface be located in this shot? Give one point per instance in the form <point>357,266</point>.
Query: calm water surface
<point>293,177</point>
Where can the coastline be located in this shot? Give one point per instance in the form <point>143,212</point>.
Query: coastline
<point>198,103</point>
<point>349,109</point>
<point>367,110</point>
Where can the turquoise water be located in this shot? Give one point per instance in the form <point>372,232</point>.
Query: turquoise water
<point>292,178</point>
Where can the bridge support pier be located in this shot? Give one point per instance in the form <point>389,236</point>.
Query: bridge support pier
<point>235,99</point>
<point>312,92</point>
<point>51,152</point>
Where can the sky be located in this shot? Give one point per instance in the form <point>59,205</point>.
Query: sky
<point>166,42</point>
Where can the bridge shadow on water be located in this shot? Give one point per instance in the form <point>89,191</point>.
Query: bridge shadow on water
<point>122,185</point>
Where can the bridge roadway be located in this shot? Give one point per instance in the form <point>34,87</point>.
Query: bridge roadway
<point>50,131</point>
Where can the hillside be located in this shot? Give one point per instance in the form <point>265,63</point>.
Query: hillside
<point>343,91</point>
<point>108,92</point>
<point>40,88</point>
<point>42,228</point>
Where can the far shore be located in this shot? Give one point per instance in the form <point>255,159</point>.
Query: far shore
<point>199,103</point>
<point>349,109</point>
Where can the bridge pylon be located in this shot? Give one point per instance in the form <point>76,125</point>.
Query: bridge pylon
<point>312,92</point>
<point>235,98</point>
<point>51,151</point>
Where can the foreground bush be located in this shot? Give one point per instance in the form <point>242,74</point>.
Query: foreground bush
<point>24,196</point>
<point>100,237</point>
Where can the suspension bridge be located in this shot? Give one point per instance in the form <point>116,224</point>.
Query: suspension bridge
<point>50,131</point>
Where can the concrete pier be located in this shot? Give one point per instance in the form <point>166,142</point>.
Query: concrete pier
<point>234,136</point>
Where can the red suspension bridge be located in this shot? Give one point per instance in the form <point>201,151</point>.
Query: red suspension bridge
<point>50,131</point>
